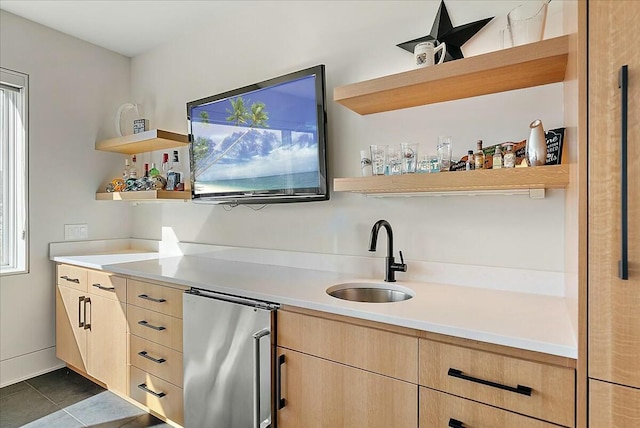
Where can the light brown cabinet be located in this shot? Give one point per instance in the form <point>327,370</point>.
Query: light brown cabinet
<point>339,374</point>
<point>613,308</point>
<point>91,326</point>
<point>154,313</point>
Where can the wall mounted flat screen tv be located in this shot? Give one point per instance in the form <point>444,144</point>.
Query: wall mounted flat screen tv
<point>263,143</point>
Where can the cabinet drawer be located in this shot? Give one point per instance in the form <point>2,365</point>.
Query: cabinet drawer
<point>156,359</point>
<point>613,405</point>
<point>72,276</point>
<point>158,298</point>
<point>155,327</point>
<point>490,378</point>
<point>378,351</point>
<point>107,285</point>
<point>157,394</point>
<point>438,409</point>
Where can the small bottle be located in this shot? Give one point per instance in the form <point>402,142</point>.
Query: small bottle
<point>153,172</point>
<point>133,171</point>
<point>146,170</point>
<point>176,171</point>
<point>479,156</point>
<point>509,156</point>
<point>497,158</point>
<point>165,164</point>
<point>470,163</point>
<point>126,170</point>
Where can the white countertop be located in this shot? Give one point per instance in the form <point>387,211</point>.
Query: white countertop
<point>522,320</point>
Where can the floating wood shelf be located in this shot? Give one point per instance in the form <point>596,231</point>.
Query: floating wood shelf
<point>541,177</point>
<point>148,141</point>
<point>520,67</point>
<point>144,195</point>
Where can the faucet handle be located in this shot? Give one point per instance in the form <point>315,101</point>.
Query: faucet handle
<point>401,258</point>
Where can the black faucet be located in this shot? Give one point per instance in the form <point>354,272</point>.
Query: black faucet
<point>390,266</point>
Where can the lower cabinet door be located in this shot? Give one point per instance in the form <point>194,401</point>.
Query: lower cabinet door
<point>322,393</point>
<point>71,336</point>
<point>613,406</point>
<point>107,342</point>
<point>438,409</point>
<point>157,394</point>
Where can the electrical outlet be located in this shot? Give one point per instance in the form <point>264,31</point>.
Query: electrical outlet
<point>76,232</point>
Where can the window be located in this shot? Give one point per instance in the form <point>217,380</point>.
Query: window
<point>13,172</point>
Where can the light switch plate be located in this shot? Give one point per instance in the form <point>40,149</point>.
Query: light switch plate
<point>76,232</point>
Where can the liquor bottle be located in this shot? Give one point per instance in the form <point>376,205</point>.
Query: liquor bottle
<point>153,172</point>
<point>479,156</point>
<point>509,156</point>
<point>165,164</point>
<point>175,175</point>
<point>497,158</point>
<point>133,171</point>
<point>125,171</point>
<point>470,163</point>
<point>146,170</point>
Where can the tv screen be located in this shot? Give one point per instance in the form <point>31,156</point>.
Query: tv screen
<point>263,143</point>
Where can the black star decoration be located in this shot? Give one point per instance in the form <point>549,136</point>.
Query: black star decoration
<point>443,31</point>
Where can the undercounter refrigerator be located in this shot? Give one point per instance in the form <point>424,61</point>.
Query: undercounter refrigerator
<point>228,354</point>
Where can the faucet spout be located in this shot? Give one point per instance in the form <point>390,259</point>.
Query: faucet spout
<point>390,266</point>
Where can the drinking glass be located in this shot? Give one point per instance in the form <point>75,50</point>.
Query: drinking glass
<point>434,163</point>
<point>444,152</point>
<point>378,159</point>
<point>422,166</point>
<point>526,22</point>
<point>394,160</point>
<point>409,157</point>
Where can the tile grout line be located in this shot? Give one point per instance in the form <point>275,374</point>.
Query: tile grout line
<point>70,414</point>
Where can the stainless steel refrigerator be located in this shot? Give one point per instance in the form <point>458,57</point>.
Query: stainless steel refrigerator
<point>228,357</point>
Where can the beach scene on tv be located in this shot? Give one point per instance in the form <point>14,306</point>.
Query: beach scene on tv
<point>261,141</point>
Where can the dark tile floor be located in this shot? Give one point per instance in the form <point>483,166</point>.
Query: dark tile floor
<point>64,399</point>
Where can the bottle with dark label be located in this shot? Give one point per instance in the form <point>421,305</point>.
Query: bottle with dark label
<point>479,156</point>
<point>175,176</point>
<point>470,164</point>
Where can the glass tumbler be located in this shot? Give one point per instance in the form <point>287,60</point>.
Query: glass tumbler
<point>409,152</point>
<point>394,160</point>
<point>378,159</point>
<point>444,152</point>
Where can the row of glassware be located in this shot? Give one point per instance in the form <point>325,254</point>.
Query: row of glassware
<point>405,158</point>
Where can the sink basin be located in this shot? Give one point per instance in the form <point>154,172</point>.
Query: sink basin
<point>370,292</point>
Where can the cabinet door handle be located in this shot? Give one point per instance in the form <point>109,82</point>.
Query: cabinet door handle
<point>74,280</point>
<point>80,301</point>
<point>623,263</point>
<point>153,299</point>
<point>256,374</point>
<point>146,324</point>
<point>454,423</point>
<point>281,402</point>
<point>144,354</point>
<point>143,386</point>
<point>87,324</point>
<point>520,389</point>
<point>102,287</point>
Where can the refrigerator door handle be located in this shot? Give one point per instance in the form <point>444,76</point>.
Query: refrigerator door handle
<point>623,263</point>
<point>256,374</point>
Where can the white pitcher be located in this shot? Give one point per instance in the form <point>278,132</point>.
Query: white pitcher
<point>424,54</point>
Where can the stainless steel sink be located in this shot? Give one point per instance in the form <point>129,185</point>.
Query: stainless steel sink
<point>370,292</point>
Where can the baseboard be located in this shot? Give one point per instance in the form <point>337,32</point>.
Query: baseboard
<point>17,369</point>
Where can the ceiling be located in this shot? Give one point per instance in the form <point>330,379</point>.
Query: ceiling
<point>124,26</point>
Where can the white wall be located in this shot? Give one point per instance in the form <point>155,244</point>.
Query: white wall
<point>75,89</point>
<point>249,42</point>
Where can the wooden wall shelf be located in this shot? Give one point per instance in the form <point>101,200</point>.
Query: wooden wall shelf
<point>520,67</point>
<point>144,195</point>
<point>148,141</point>
<point>542,177</point>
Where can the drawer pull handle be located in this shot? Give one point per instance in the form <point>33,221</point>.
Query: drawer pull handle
<point>454,423</point>
<point>144,354</point>
<point>280,402</point>
<point>623,263</point>
<point>153,299</point>
<point>143,386</point>
<point>74,280</point>
<point>520,389</point>
<point>102,287</point>
<point>146,324</point>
